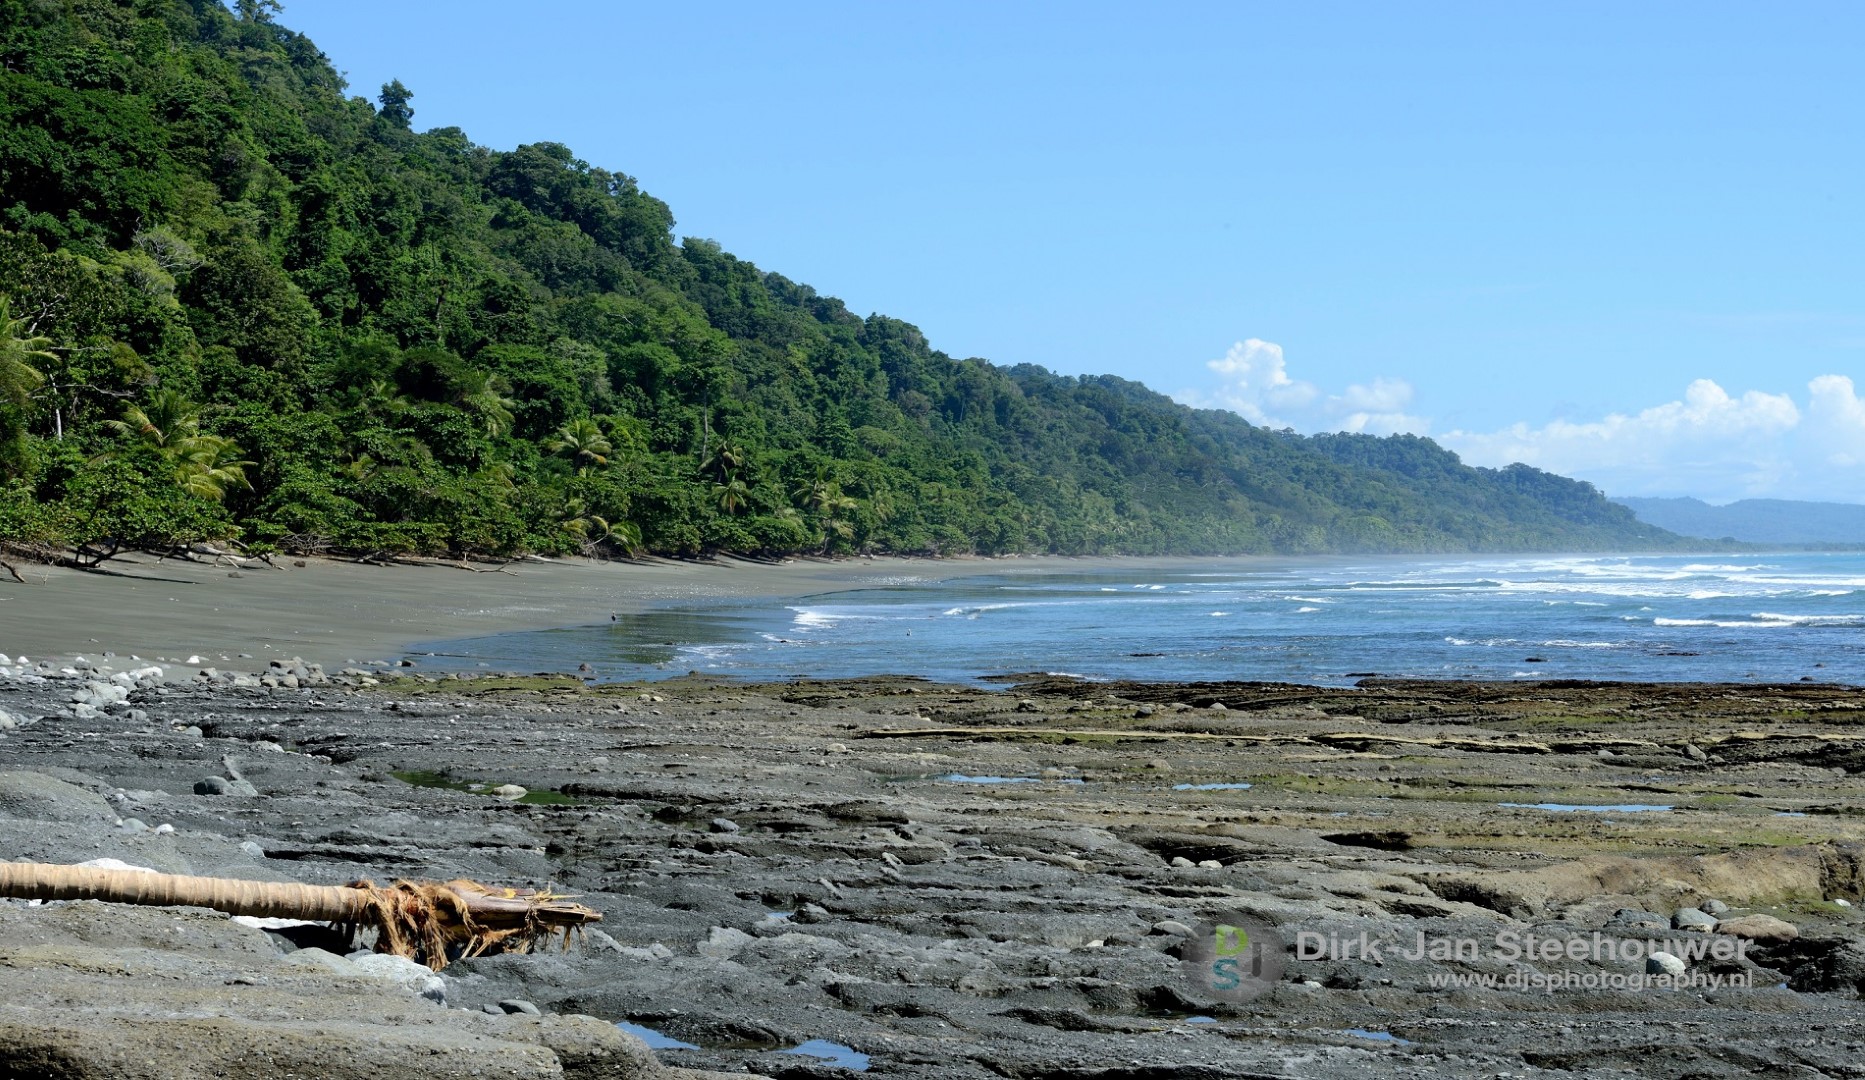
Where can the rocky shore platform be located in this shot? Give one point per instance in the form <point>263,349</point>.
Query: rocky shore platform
<point>815,879</point>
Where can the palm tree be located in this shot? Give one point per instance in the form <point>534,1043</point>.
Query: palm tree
<point>19,345</point>
<point>725,461</point>
<point>836,512</point>
<point>204,465</point>
<point>381,397</point>
<point>733,495</point>
<point>167,422</point>
<point>483,393</point>
<point>594,530</point>
<point>816,492</point>
<point>583,442</point>
<point>500,475</point>
<point>208,465</point>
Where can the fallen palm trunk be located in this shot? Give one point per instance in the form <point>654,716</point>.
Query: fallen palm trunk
<point>430,922</point>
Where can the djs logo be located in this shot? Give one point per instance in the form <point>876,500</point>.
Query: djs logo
<point>1233,958</point>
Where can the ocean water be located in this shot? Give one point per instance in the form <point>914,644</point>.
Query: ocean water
<point>1327,621</point>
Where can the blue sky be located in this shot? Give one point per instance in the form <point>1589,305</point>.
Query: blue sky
<point>1620,241</point>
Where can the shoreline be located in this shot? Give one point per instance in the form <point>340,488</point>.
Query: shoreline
<point>189,615</point>
<point>338,613</point>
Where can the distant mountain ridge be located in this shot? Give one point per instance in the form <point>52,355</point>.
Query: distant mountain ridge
<point>1756,521</point>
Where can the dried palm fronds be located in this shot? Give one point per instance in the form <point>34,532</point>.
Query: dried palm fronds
<point>430,922</point>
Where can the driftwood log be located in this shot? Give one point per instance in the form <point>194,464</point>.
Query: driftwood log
<point>430,922</point>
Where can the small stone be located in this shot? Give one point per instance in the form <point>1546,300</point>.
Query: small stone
<point>1765,929</point>
<point>1663,963</point>
<point>252,848</point>
<point>1218,706</point>
<point>1691,919</point>
<point>412,977</point>
<point>1173,927</point>
<point>724,942</point>
<point>519,1006</point>
<point>1695,752</point>
<point>1634,919</point>
<point>722,825</point>
<point>492,1010</point>
<point>1714,907</point>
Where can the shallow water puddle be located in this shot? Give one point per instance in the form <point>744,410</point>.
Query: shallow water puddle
<point>1211,787</point>
<point>834,1055</point>
<point>961,778</point>
<point>654,1039</point>
<point>426,779</point>
<point>1378,1036</point>
<point>1613,808</point>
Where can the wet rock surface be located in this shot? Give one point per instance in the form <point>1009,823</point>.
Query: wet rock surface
<point>955,883</point>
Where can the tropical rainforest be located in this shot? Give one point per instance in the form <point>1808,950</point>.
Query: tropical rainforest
<point>242,305</point>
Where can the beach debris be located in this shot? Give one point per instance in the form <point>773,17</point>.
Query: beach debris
<point>429,922</point>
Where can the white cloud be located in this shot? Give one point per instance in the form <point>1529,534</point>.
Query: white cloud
<point>1255,383</point>
<point>1708,443</point>
<point>1836,420</point>
<point>1256,379</point>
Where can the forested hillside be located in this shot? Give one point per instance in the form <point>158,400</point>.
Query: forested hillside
<point>243,304</point>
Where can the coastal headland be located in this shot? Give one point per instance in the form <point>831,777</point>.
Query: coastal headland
<point>1528,879</point>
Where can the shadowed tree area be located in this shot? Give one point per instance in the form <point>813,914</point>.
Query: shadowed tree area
<point>247,304</point>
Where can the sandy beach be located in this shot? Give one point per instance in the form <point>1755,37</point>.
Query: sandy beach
<point>337,613</point>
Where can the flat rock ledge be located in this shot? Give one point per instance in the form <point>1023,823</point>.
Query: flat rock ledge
<point>92,991</point>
